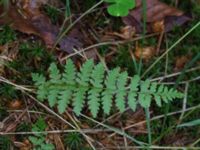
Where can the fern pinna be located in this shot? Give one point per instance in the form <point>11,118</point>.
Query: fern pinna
<point>92,84</point>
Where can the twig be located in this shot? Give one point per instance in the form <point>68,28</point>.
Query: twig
<point>184,102</point>
<point>106,43</point>
<point>171,48</point>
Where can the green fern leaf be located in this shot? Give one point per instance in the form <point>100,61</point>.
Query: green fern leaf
<point>54,73</point>
<point>110,88</point>
<point>68,77</point>
<point>97,76</point>
<point>94,94</point>
<point>85,73</point>
<point>157,97</point>
<point>69,74</point>
<point>54,81</point>
<point>121,91</point>
<point>94,98</point>
<point>52,97</point>
<point>40,82</point>
<point>133,92</point>
<point>64,100</point>
<point>83,79</point>
<point>144,95</point>
<point>38,79</point>
<point>158,100</point>
<point>79,97</point>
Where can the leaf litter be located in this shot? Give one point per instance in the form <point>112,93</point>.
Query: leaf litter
<point>26,17</point>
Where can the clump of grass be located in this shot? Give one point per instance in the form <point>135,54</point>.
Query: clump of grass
<point>73,140</point>
<point>7,35</point>
<point>53,13</point>
<point>5,143</point>
<point>8,91</point>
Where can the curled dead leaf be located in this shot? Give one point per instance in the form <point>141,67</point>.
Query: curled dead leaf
<point>181,62</point>
<point>156,11</point>
<point>146,53</point>
<point>15,104</point>
<point>128,32</point>
<point>158,26</point>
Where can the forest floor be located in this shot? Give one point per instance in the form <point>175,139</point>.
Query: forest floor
<point>34,34</point>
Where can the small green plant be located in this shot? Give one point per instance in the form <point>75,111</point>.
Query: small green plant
<point>53,13</point>
<point>120,7</point>
<point>73,140</point>
<point>7,35</point>
<point>93,85</point>
<point>5,143</point>
<point>38,140</point>
<point>3,113</point>
<point>7,91</point>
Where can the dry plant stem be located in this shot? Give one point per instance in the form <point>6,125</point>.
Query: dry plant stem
<point>167,56</point>
<point>183,82</point>
<point>89,140</point>
<point>29,111</point>
<point>184,102</point>
<point>107,43</point>
<point>196,142</point>
<point>88,131</point>
<point>162,116</point>
<point>17,121</point>
<point>5,58</point>
<point>61,35</point>
<point>159,42</point>
<point>175,74</point>
<point>171,48</point>
<point>55,114</point>
<point>102,60</point>
<point>19,87</point>
<point>159,117</point>
<point>116,131</point>
<point>152,148</point>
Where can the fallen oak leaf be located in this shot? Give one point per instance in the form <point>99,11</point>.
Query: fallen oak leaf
<point>155,11</point>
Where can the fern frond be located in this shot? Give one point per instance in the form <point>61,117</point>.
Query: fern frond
<point>54,73</point>
<point>93,85</point>
<point>70,72</point>
<point>53,87</point>
<point>96,81</point>
<point>132,94</point>
<point>121,91</point>
<point>144,95</point>
<point>68,77</point>
<point>40,82</point>
<point>52,96</point>
<point>83,78</point>
<point>110,88</point>
<point>64,100</point>
<point>78,101</point>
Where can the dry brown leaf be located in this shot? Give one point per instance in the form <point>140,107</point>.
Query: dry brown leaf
<point>15,104</point>
<point>158,26</point>
<point>24,145</point>
<point>25,16</point>
<point>181,62</point>
<point>146,53</point>
<point>156,11</point>
<point>128,32</point>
